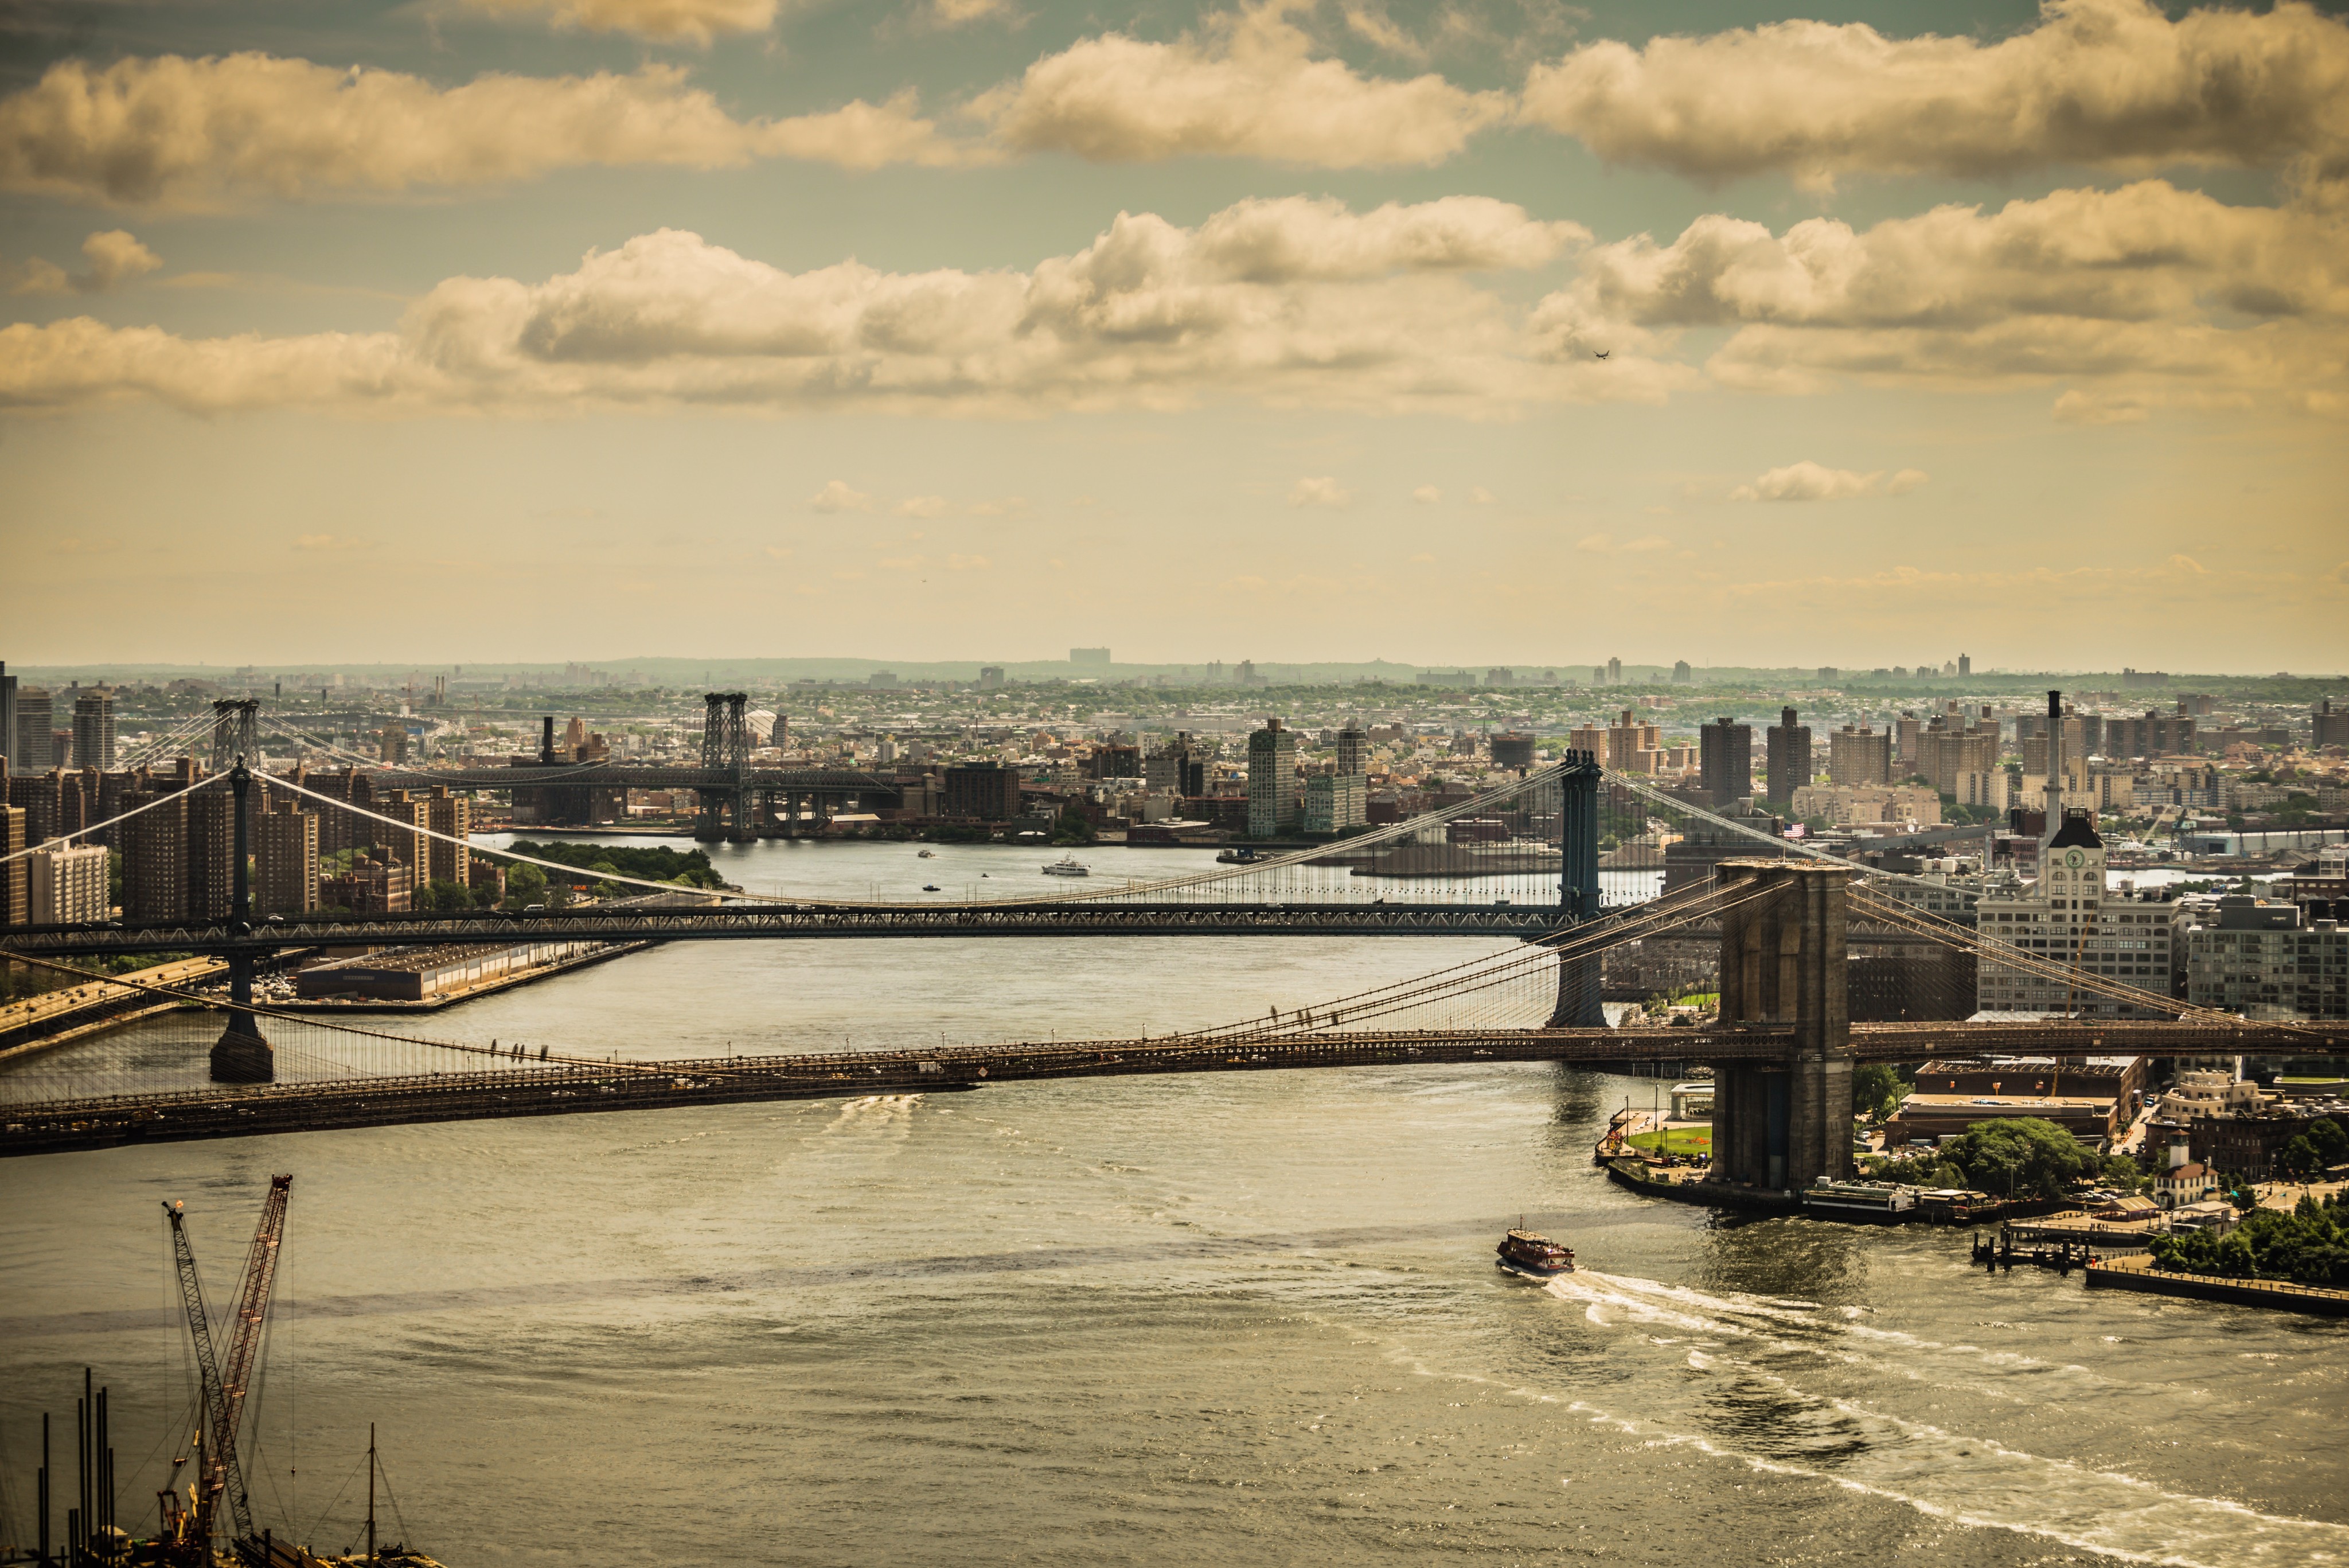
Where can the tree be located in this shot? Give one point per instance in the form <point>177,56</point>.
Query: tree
<point>2121,1172</point>
<point>2331,1145</point>
<point>2026,1156</point>
<point>1073,826</point>
<point>1875,1089</point>
<point>2299,1157</point>
<point>441,894</point>
<point>525,885</point>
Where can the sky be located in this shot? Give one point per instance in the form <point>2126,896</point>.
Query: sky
<point>1478,331</point>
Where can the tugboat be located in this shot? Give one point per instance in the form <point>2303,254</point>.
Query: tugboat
<point>1533,1254</point>
<point>929,887</point>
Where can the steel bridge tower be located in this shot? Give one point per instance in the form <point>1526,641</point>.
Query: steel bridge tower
<point>1577,889</point>
<point>236,735</point>
<point>725,812</point>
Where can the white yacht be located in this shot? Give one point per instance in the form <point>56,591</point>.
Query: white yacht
<point>1068,866</point>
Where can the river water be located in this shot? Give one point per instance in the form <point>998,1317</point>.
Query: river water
<point>1245,1318</point>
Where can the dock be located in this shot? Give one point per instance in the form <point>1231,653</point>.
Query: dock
<point>2138,1273</point>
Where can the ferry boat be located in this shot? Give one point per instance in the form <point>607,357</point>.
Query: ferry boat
<point>1860,1199</point>
<point>1533,1255</point>
<point>1068,866</point>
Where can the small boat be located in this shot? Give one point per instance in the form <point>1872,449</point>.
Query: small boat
<point>1068,866</point>
<point>924,854</point>
<point>929,887</point>
<point>1533,1254</point>
<point>1237,857</point>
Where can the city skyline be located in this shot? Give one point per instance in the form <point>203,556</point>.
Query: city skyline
<point>1278,325</point>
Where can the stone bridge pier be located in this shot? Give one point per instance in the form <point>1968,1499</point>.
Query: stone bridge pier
<point>1781,1126</point>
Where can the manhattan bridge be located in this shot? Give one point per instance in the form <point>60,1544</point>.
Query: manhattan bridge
<point>1784,918</point>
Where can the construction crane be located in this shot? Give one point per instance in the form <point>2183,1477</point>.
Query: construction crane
<point>224,1383</point>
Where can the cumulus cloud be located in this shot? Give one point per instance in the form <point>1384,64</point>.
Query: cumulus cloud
<point>922,506</point>
<point>114,256</point>
<point>1245,85</point>
<point>838,496</point>
<point>1808,480</point>
<point>2109,83</point>
<point>2146,284</point>
<point>1324,491</point>
<point>1282,303</point>
<point>690,21</point>
<point>1427,495</point>
<point>201,134</point>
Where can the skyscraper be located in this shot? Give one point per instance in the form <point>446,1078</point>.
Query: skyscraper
<point>35,748</point>
<point>1789,765</point>
<point>1614,672</point>
<point>1725,759</point>
<point>154,845</point>
<point>7,715</point>
<point>93,729</point>
<point>1272,781</point>
<point>1353,750</point>
<point>284,860</point>
<point>210,868</point>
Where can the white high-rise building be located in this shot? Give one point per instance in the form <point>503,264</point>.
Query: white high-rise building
<point>68,885</point>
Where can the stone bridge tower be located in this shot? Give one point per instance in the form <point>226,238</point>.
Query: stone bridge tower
<point>1782,1125</point>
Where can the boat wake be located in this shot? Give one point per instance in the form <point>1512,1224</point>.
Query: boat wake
<point>1787,1429</point>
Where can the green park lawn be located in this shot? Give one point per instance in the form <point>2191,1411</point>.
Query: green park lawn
<point>1677,1140</point>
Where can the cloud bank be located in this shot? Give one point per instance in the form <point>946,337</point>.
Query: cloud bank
<point>2127,300</point>
<point>2111,84</point>
<point>197,134</point>
<point>1285,302</point>
<point>2148,284</point>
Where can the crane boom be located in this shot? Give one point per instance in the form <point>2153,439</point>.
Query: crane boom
<point>252,1308</point>
<point>214,1464</point>
<point>225,1384</point>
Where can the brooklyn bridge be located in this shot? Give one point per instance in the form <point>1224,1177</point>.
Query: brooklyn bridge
<point>1783,1047</point>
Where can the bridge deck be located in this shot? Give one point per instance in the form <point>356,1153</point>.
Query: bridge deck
<point>771,922</point>
<point>531,1090</point>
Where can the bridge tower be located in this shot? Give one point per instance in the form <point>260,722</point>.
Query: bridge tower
<point>1577,889</point>
<point>235,733</point>
<point>1784,1125</point>
<point>725,811</point>
<point>240,1055</point>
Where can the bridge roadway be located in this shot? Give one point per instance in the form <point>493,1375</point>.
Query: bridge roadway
<point>770,921</point>
<point>529,1090</point>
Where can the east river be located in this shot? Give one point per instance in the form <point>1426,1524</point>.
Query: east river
<point>1244,1318</point>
